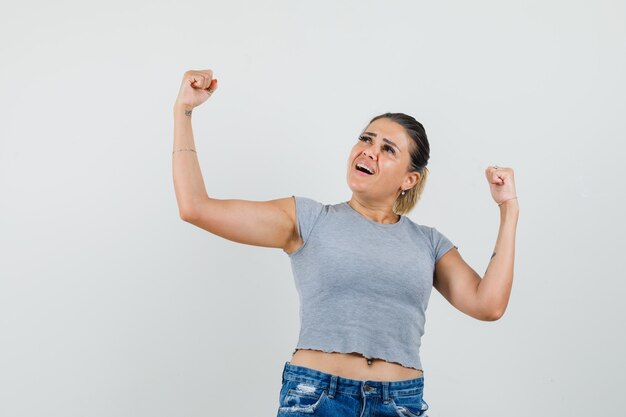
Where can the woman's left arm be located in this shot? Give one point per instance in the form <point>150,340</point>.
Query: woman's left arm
<point>486,298</point>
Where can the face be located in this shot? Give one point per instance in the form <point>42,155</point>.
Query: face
<point>384,147</point>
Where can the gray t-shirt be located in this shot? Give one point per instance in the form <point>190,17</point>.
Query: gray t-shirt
<point>363,286</point>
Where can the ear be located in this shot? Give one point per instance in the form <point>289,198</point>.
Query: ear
<point>411,179</point>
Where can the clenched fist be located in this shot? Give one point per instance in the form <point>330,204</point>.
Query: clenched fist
<point>196,88</point>
<point>501,183</point>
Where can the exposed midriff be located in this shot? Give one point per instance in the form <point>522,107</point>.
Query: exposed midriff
<point>353,365</point>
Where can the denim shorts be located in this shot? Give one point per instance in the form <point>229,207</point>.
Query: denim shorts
<point>307,392</point>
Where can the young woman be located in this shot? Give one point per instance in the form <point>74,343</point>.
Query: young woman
<point>364,271</point>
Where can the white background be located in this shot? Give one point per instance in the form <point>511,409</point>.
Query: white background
<point>111,305</point>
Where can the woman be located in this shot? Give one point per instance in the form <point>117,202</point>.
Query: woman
<point>363,270</point>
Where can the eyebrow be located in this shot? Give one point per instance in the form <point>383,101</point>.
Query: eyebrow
<point>384,140</point>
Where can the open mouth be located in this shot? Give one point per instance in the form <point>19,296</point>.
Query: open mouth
<point>362,168</point>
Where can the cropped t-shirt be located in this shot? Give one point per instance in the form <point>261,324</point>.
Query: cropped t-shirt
<point>363,286</point>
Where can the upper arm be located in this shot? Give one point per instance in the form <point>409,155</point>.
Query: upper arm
<point>458,283</point>
<point>269,223</point>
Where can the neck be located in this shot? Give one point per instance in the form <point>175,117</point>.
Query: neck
<point>380,213</point>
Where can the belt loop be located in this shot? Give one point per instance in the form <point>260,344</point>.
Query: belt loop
<point>385,391</point>
<point>333,386</point>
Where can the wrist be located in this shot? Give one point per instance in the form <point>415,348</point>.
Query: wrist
<point>512,200</point>
<point>509,206</point>
<point>180,108</point>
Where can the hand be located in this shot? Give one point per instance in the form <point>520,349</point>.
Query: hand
<point>196,88</point>
<point>501,183</point>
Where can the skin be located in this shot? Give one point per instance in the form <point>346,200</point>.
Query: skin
<point>273,223</point>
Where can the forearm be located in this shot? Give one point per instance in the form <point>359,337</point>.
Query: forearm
<point>188,182</point>
<point>495,288</point>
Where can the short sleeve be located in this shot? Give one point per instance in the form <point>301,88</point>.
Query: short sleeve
<point>307,213</point>
<point>441,244</point>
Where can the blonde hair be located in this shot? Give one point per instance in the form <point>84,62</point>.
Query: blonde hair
<point>405,203</point>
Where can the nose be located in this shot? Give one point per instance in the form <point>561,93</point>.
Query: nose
<point>371,152</point>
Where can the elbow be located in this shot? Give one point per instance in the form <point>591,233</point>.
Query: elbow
<point>493,315</point>
<point>189,209</point>
<point>185,215</point>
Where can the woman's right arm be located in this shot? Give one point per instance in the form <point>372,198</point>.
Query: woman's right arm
<point>261,223</point>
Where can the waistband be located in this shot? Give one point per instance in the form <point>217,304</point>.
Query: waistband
<point>334,383</point>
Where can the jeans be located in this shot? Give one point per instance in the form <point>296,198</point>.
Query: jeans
<point>307,392</point>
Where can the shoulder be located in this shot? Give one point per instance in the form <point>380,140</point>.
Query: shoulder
<point>436,240</point>
<point>307,211</point>
<point>307,206</point>
<point>425,229</point>
<point>307,200</point>
<point>420,229</point>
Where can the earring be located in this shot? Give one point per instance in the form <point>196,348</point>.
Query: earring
<point>403,192</point>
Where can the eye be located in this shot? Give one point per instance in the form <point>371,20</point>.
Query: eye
<point>389,148</point>
<point>364,138</point>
